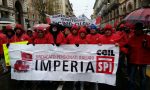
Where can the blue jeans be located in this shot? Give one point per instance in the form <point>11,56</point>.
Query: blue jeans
<point>132,70</point>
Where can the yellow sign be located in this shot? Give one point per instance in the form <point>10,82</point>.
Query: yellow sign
<point>148,70</point>
<point>6,52</point>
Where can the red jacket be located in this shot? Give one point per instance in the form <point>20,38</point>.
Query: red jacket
<point>60,38</point>
<point>46,39</point>
<point>93,39</point>
<point>18,39</point>
<point>2,41</point>
<point>9,40</point>
<point>108,39</point>
<point>41,41</point>
<point>49,38</point>
<point>28,38</point>
<point>138,54</point>
<point>65,40</point>
<point>72,39</point>
<point>81,41</point>
<point>122,40</point>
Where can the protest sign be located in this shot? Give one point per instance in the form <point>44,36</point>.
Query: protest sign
<point>91,63</point>
<point>68,21</point>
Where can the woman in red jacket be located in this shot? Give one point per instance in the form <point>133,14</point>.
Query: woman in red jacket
<point>139,56</point>
<point>55,30</point>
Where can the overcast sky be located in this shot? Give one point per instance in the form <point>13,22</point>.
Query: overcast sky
<point>83,7</point>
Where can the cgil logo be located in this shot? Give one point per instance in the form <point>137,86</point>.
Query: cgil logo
<point>106,52</point>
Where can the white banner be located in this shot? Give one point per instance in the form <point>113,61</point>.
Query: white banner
<point>91,63</point>
<point>69,21</point>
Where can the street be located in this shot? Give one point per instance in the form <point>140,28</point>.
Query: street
<point>74,44</point>
<point>7,84</point>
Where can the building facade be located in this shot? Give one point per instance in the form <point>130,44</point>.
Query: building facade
<point>13,10</point>
<point>18,11</point>
<point>7,11</point>
<point>60,7</point>
<point>32,15</point>
<point>113,11</point>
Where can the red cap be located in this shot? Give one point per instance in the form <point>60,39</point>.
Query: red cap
<point>74,27</point>
<point>8,27</point>
<point>19,26</point>
<point>108,26</point>
<point>66,29</point>
<point>40,28</point>
<point>122,25</point>
<point>82,30</point>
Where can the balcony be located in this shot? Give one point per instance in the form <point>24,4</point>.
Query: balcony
<point>113,5</point>
<point>5,8</point>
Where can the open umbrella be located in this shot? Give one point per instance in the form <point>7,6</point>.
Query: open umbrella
<point>42,25</point>
<point>45,26</point>
<point>140,15</point>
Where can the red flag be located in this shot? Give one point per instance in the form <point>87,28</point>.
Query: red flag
<point>98,20</point>
<point>48,20</point>
<point>26,56</point>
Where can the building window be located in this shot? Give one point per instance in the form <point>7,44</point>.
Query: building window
<point>66,6</point>
<point>5,14</point>
<point>130,7</point>
<point>27,9</point>
<point>135,4</point>
<point>124,10</point>
<point>67,13</point>
<point>33,16</point>
<point>4,2</point>
<point>139,3</point>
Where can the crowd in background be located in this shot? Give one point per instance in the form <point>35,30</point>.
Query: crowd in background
<point>134,44</point>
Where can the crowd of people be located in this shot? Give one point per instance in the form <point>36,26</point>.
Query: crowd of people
<point>134,44</point>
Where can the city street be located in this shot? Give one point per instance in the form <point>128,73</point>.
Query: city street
<point>7,84</point>
<point>74,44</point>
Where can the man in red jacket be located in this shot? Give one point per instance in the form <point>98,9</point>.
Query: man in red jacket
<point>109,37</point>
<point>66,32</point>
<point>2,41</point>
<point>19,33</point>
<point>93,37</point>
<point>139,56</point>
<point>40,36</point>
<point>73,36</point>
<point>9,34</point>
<point>29,36</point>
<point>82,36</point>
